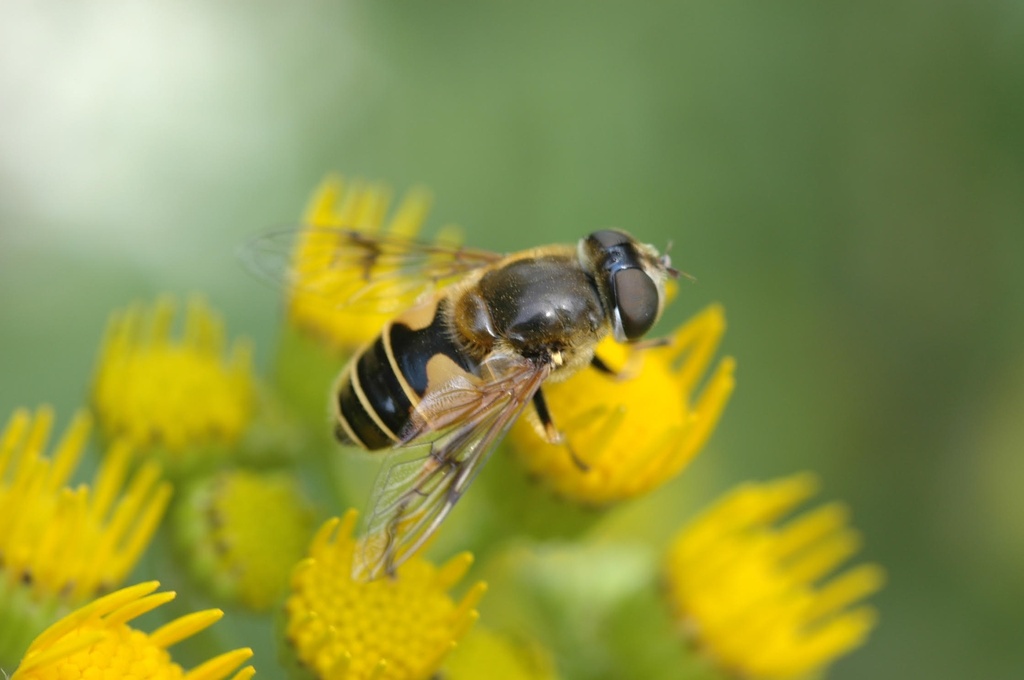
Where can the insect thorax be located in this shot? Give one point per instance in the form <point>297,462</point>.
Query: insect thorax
<point>537,305</point>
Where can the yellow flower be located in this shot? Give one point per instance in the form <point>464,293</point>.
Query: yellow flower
<point>174,395</point>
<point>243,532</point>
<point>396,628</point>
<point>753,595</point>
<point>96,642</point>
<point>71,543</point>
<point>486,654</point>
<point>319,284</point>
<point>624,436</point>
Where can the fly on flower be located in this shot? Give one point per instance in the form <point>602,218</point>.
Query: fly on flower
<point>449,374</point>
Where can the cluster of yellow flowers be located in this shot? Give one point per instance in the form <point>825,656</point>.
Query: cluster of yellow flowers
<point>752,590</point>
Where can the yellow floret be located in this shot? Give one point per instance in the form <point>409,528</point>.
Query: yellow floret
<point>97,642</point>
<point>756,595</point>
<point>321,289</point>
<point>625,435</point>
<point>396,628</point>
<point>71,542</point>
<point>174,394</point>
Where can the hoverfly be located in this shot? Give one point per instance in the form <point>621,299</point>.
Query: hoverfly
<point>447,376</point>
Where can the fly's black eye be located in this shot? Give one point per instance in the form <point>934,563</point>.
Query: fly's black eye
<point>619,267</point>
<point>607,238</point>
<point>636,299</point>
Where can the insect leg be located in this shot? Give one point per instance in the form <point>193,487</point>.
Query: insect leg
<point>551,432</point>
<point>598,364</point>
<point>652,343</point>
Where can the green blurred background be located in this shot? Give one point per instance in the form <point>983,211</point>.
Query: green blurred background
<point>847,179</point>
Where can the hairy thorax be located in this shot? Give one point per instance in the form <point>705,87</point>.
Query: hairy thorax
<point>545,308</point>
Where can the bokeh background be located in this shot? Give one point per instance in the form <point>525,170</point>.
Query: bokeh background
<point>848,179</point>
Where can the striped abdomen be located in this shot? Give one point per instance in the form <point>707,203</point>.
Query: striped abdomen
<point>377,391</point>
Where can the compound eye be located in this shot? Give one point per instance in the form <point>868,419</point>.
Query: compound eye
<point>607,238</point>
<point>636,299</point>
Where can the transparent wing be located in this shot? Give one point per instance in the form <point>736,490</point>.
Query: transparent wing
<point>345,267</point>
<point>451,436</point>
